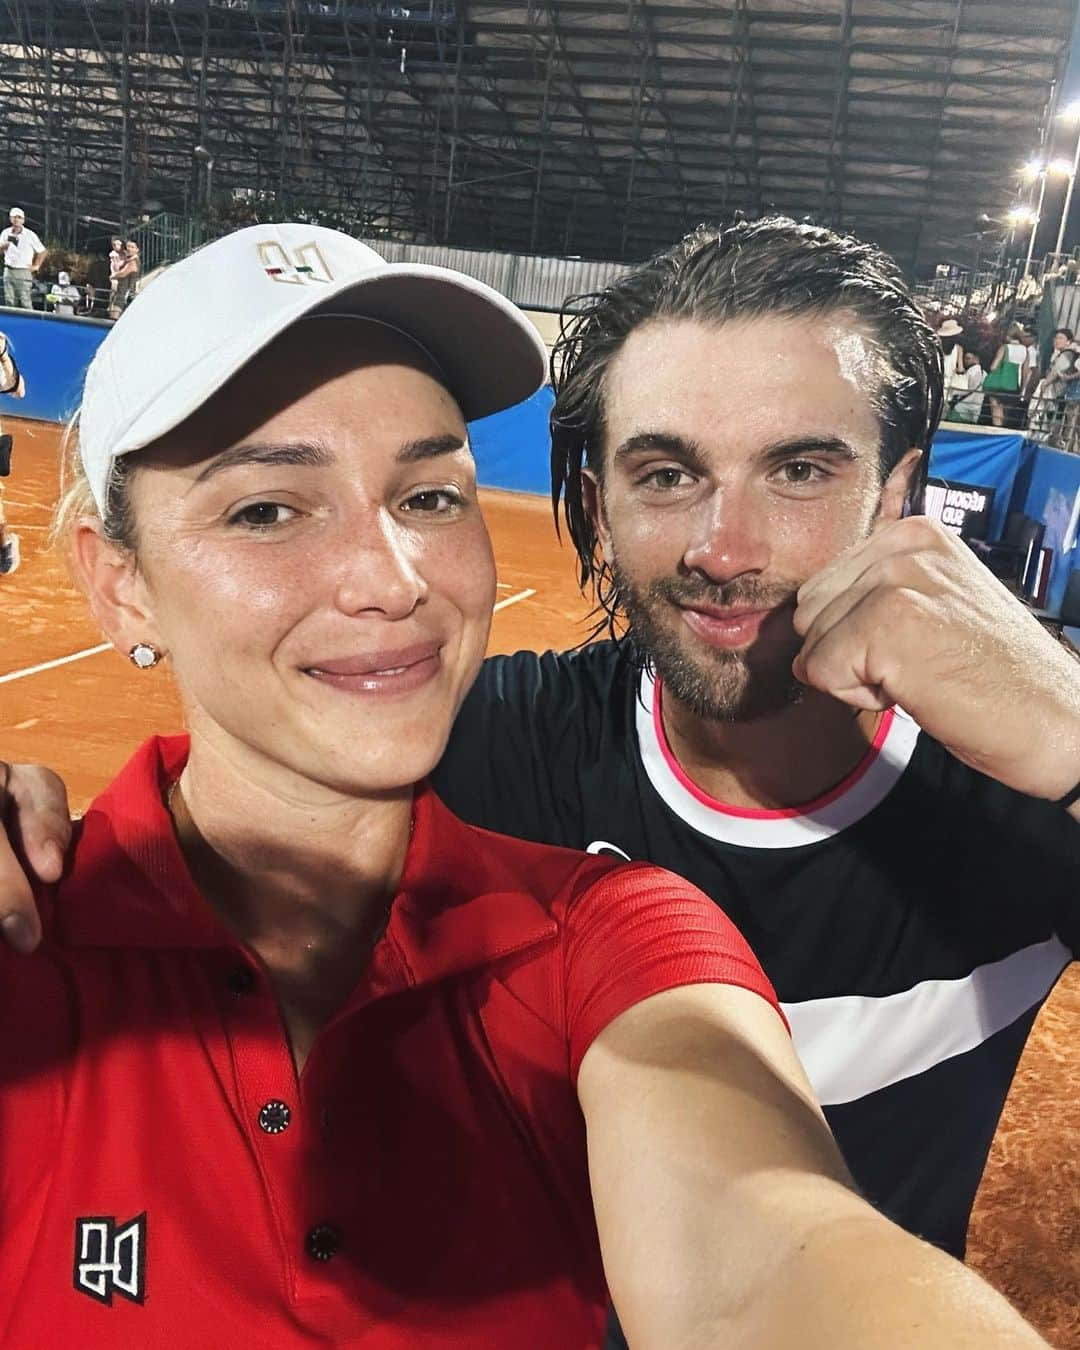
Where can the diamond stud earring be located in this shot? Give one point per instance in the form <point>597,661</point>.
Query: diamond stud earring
<point>144,656</point>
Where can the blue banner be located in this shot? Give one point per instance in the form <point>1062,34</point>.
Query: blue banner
<point>52,352</point>
<point>513,448</point>
<point>988,460</point>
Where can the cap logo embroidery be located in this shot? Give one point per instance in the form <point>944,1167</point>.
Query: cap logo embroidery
<point>306,263</point>
<point>111,1258</point>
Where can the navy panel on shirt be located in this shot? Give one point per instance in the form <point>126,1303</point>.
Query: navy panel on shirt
<point>912,923</point>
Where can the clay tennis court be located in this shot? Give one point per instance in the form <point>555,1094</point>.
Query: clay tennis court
<point>68,700</point>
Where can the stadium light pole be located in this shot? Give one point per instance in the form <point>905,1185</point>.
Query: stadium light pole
<point>1071,116</point>
<point>205,157</point>
<point>1034,168</point>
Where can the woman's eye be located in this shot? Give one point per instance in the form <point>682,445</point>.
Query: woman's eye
<point>262,515</point>
<point>433,501</point>
<point>666,478</point>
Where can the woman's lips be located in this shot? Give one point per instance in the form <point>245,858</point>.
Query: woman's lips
<point>737,628</point>
<point>397,671</point>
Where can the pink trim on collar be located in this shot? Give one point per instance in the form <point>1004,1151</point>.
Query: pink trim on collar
<point>753,813</point>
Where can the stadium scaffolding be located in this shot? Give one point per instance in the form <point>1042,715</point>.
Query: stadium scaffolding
<point>596,128</point>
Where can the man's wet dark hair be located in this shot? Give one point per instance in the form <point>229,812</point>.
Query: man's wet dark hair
<point>774,266</point>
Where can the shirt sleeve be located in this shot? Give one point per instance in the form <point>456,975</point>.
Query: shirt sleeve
<point>639,931</point>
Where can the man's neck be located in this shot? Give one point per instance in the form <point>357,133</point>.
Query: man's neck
<point>774,762</point>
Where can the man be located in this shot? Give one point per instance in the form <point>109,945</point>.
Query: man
<point>23,254</point>
<point>739,427</point>
<point>11,382</point>
<point>63,296</point>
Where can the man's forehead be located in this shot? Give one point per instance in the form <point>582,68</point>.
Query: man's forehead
<point>733,375</point>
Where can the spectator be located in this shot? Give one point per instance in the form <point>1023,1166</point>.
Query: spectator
<point>63,297</point>
<point>116,261</point>
<point>949,335</point>
<point>23,255</point>
<point>1062,361</point>
<point>88,300</point>
<point>127,279</point>
<point>1047,407</point>
<point>966,404</point>
<point>11,382</point>
<point>1031,341</point>
<point>1007,378</point>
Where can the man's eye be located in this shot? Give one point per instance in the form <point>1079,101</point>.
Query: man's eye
<point>433,501</point>
<point>800,471</point>
<point>666,478</point>
<point>262,515</point>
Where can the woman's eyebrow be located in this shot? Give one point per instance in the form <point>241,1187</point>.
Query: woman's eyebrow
<point>312,454</point>
<point>428,447</point>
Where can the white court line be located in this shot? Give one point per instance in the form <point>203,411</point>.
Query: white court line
<point>513,599</point>
<point>51,665</point>
<point>107,646</point>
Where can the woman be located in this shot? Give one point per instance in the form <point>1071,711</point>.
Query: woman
<point>311,1062</point>
<point>949,335</point>
<point>126,279</point>
<point>1007,377</point>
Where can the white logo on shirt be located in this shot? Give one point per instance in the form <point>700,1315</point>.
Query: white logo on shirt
<point>111,1258</point>
<point>610,850</point>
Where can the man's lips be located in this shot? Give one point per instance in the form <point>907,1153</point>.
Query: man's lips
<point>390,670</point>
<point>730,628</point>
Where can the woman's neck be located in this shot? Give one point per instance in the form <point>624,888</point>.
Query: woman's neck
<point>301,875</point>
<point>281,858</point>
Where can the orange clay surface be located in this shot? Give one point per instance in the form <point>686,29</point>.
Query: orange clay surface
<point>84,717</point>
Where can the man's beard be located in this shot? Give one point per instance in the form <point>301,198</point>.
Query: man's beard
<point>719,685</point>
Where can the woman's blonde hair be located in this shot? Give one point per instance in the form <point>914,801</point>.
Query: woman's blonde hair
<point>76,499</point>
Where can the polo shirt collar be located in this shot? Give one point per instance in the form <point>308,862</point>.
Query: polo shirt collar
<point>131,888</point>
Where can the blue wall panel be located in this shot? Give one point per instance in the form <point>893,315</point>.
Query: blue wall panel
<point>984,461</point>
<point>1052,495</point>
<point>53,354</point>
<point>513,448</point>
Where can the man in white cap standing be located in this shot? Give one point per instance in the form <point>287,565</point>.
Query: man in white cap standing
<point>23,254</point>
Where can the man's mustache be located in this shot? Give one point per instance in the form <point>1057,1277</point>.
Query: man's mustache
<point>743,593</point>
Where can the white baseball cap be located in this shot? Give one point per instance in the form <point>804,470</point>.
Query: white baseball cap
<point>16,211</point>
<point>203,319</point>
<point>63,279</point>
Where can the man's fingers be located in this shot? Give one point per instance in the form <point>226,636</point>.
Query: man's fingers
<point>835,658</point>
<point>38,819</point>
<point>912,537</point>
<point>19,921</point>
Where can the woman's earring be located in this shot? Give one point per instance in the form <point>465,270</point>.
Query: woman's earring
<point>144,656</point>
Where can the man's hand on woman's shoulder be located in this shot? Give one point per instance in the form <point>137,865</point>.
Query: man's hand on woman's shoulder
<point>35,830</point>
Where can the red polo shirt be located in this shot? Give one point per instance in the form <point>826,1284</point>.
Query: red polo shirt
<point>165,1180</point>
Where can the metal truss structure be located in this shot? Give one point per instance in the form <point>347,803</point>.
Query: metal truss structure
<point>599,128</point>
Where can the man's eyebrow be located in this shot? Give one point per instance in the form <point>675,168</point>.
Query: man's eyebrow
<point>312,454</point>
<point>662,442</point>
<point>429,447</point>
<point>809,445</point>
